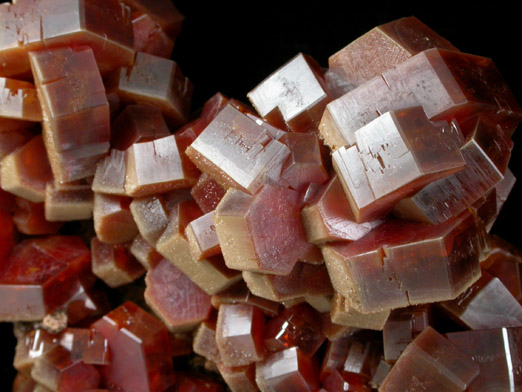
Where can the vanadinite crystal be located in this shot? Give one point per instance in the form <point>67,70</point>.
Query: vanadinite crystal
<point>332,237</point>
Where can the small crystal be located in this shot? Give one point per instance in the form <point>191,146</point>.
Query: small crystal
<point>113,221</point>
<point>149,37</point>
<point>29,218</point>
<point>68,202</point>
<point>239,378</point>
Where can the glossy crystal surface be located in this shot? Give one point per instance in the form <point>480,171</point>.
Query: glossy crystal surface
<point>29,218</point>
<point>71,93</point>
<point>392,157</point>
<point>384,47</point>
<point>139,345</point>
<point>113,221</point>
<point>292,97</point>
<point>446,84</point>
<point>149,37</point>
<point>19,105</point>
<point>386,268</point>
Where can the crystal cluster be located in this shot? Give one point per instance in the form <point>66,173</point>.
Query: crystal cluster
<point>333,236</point>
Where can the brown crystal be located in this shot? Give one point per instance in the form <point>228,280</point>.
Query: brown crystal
<point>114,264</point>
<point>384,47</point>
<point>431,363</point>
<point>113,221</point>
<point>25,172</point>
<point>29,218</point>
<point>136,124</point>
<point>68,202</point>
<point>205,340</point>
<point>239,378</point>
<point>237,152</point>
<point>393,156</point>
<point>239,334</point>
<point>179,303</point>
<point>344,313</point>
<point>19,105</point>
<point>386,268</point>
<point>157,81</point>
<point>86,345</point>
<point>242,222</point>
<point>293,96</point>
<point>71,92</point>
<point>145,253</point>
<point>149,37</point>
<point>461,86</point>
<point>139,345</point>
<point>202,238</point>
<point>207,193</point>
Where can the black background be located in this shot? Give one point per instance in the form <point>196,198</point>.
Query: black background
<point>232,46</point>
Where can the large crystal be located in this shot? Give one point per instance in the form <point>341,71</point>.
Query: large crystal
<point>40,275</point>
<point>26,171</point>
<point>486,154</point>
<point>384,47</point>
<point>104,25</point>
<point>239,334</point>
<point>431,363</point>
<point>139,345</point>
<point>388,267</point>
<point>446,84</point>
<point>71,92</point>
<point>157,81</point>
<point>175,298</point>
<point>486,304</point>
<point>393,156</point>
<point>238,152</point>
<point>497,353</point>
<point>329,216</point>
<point>242,222</point>
<point>293,97</point>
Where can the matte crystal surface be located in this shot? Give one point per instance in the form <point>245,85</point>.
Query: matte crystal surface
<point>242,222</point>
<point>105,26</point>
<point>149,37</point>
<point>431,363</point>
<point>157,81</point>
<point>29,218</point>
<point>113,221</point>
<point>293,96</point>
<point>239,378</point>
<point>145,253</point>
<point>156,167</point>
<point>305,163</point>
<point>393,156</point>
<point>110,174</point>
<point>298,326</point>
<point>329,216</point>
<point>240,294</point>
<point>19,105</point>
<point>386,268</point>
<point>207,193</point>
<point>210,274</point>
<point>305,280</point>
<point>497,353</point>
<point>139,345</point>
<point>342,312</point>
<point>486,154</point>
<point>135,124</point>
<point>72,94</point>
<point>239,334</point>
<point>175,298</point>
<point>114,264</point>
<point>68,202</point>
<point>57,371</point>
<point>288,369</point>
<point>402,327</point>
<point>446,84</point>
<point>40,275</point>
<point>205,340</point>
<point>384,47</point>
<point>26,171</point>
<point>202,237</point>
<point>486,304</point>
<point>237,152</point>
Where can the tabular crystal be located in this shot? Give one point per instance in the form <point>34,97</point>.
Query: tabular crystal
<point>384,47</point>
<point>293,96</point>
<point>76,124</point>
<point>113,221</point>
<point>387,268</point>
<point>431,363</point>
<point>393,156</point>
<point>149,37</point>
<point>68,202</point>
<point>139,345</point>
<point>446,84</point>
<point>19,105</point>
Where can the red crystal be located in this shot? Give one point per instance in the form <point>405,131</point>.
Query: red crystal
<point>139,345</point>
<point>40,275</point>
<point>113,221</point>
<point>149,37</point>
<point>207,193</point>
<point>29,218</point>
